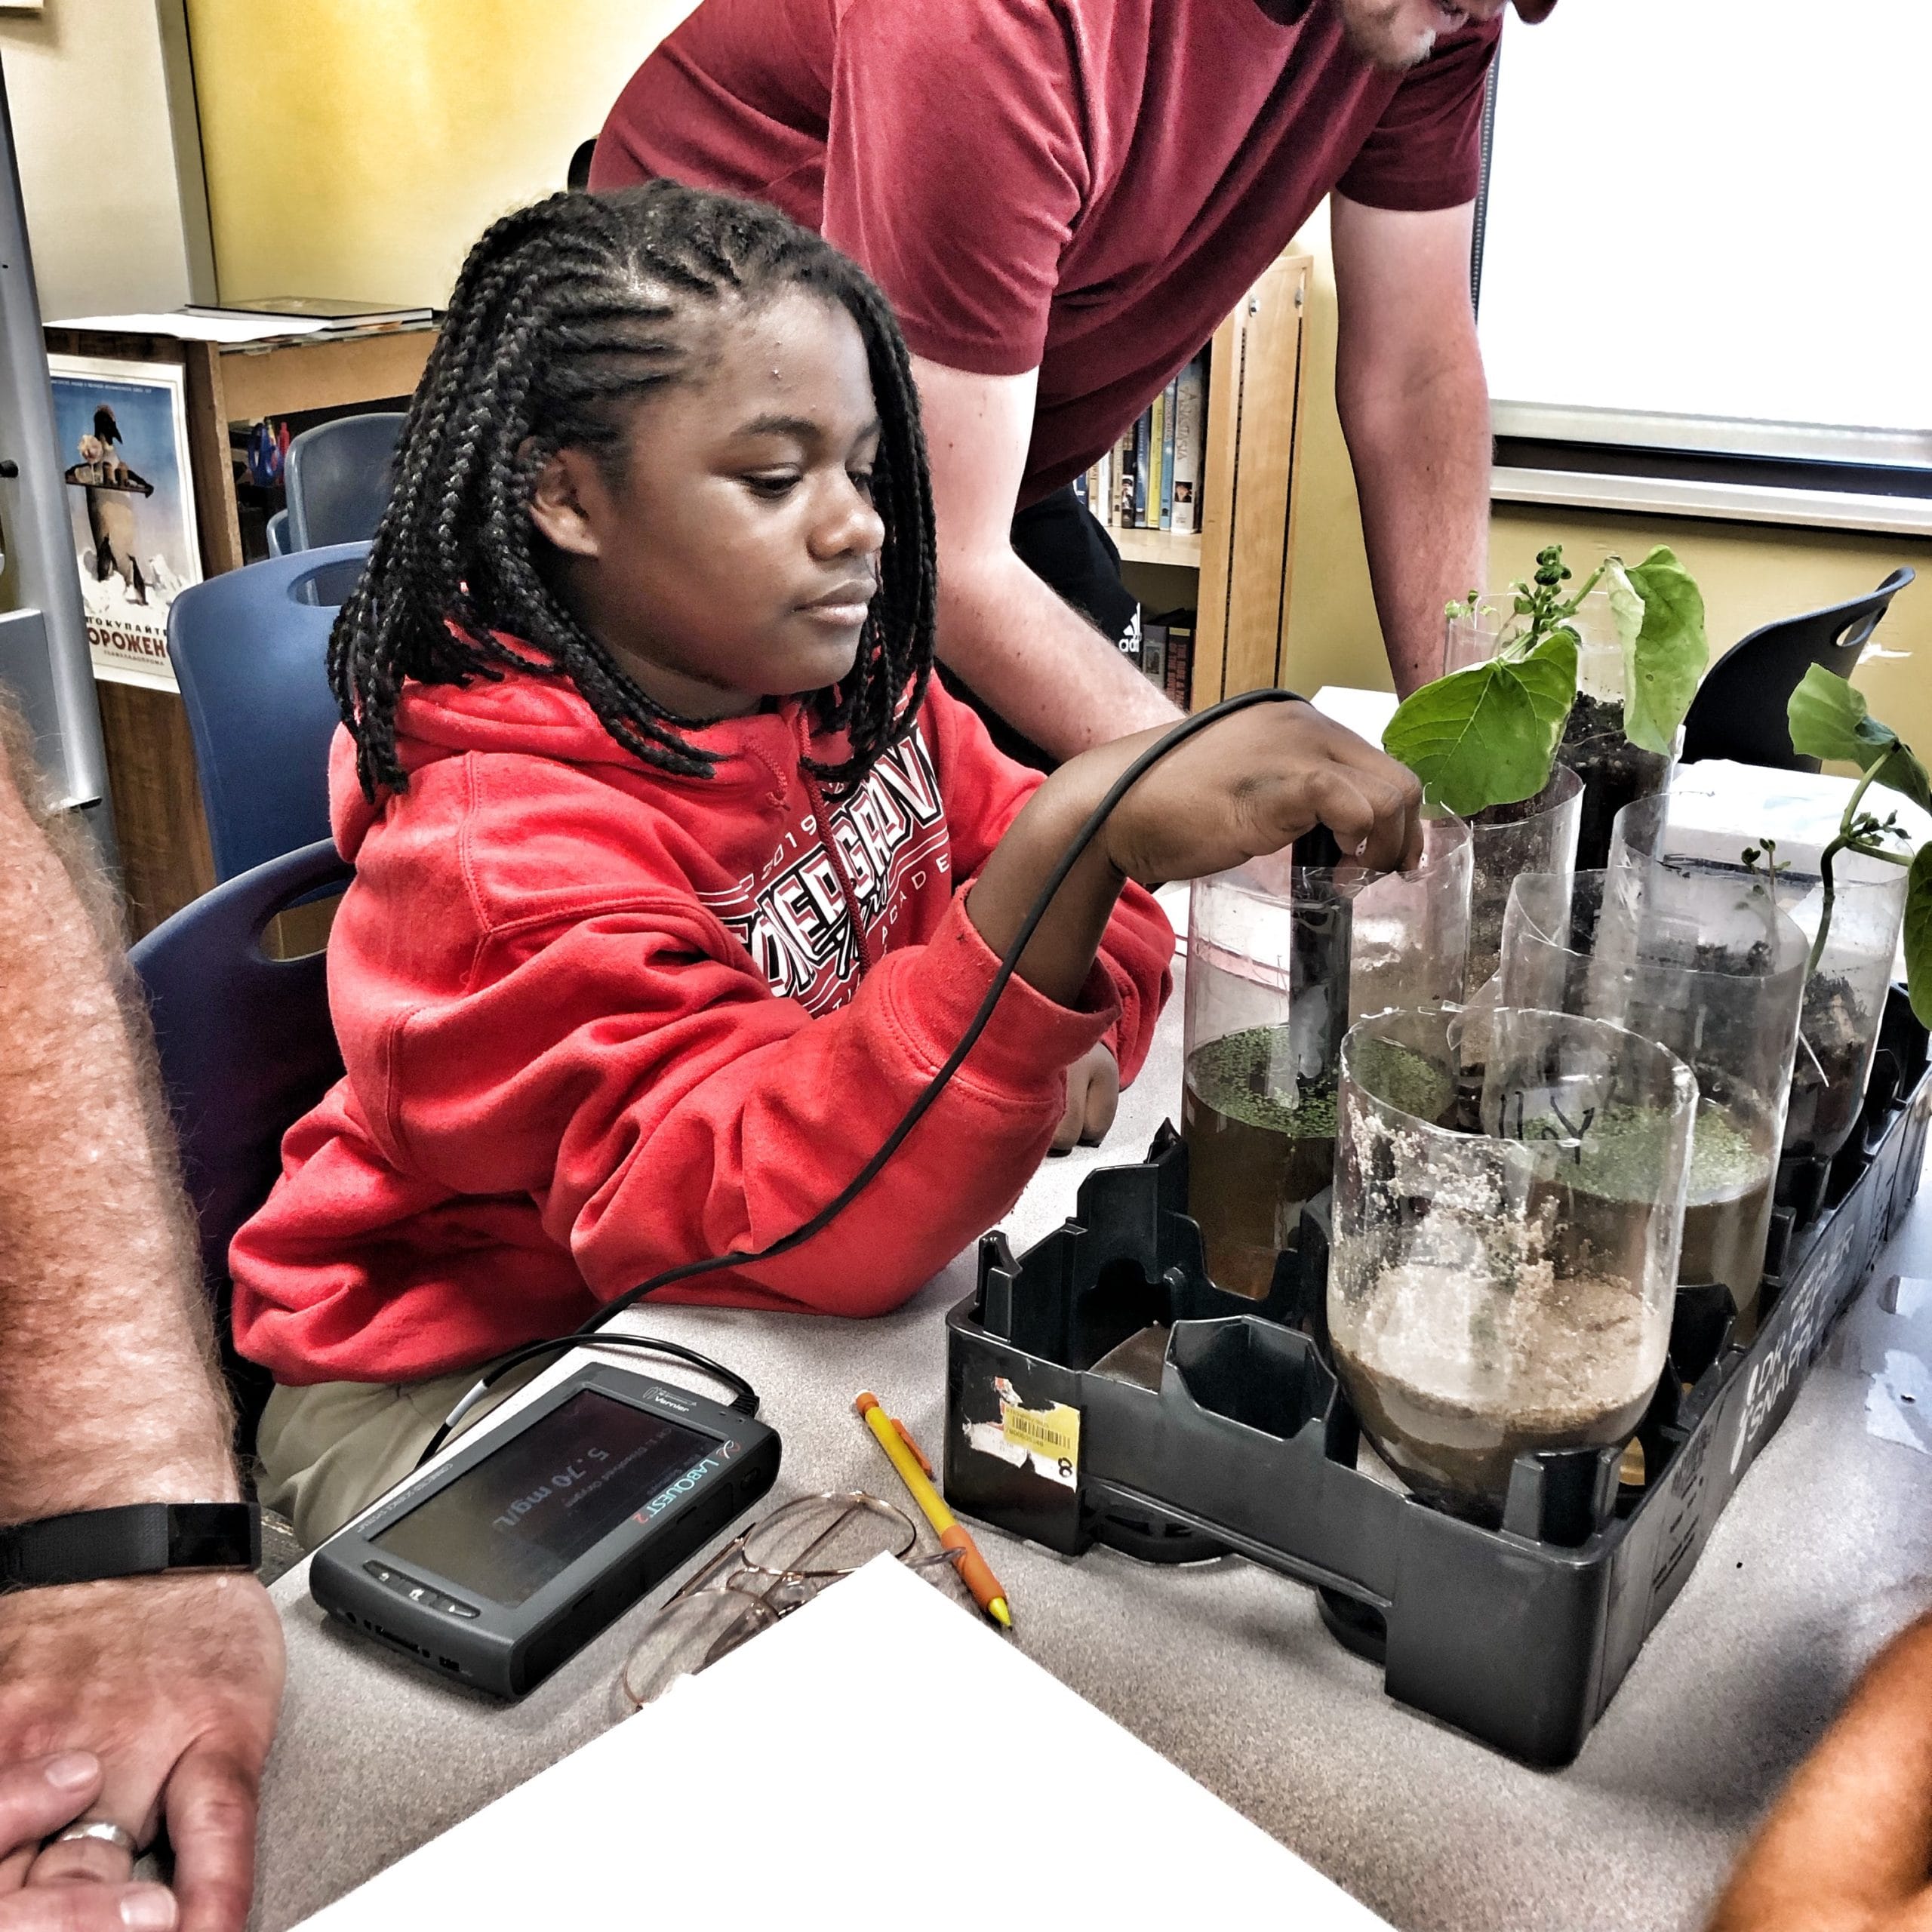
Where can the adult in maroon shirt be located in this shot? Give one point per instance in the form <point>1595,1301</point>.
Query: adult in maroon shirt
<point>1062,199</point>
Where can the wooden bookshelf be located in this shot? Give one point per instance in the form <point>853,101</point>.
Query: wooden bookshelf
<point>1244,551</point>
<point>1181,551</point>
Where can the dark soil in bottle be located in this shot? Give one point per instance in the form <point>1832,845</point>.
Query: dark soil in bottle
<point>1489,888</point>
<point>1615,774</point>
<point>1254,1158</point>
<point>1827,1091</point>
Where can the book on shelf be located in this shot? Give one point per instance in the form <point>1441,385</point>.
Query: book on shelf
<point>1166,413</point>
<point>1177,678</point>
<point>1150,508</point>
<point>1154,649</point>
<point>1190,409</point>
<point>1151,479</point>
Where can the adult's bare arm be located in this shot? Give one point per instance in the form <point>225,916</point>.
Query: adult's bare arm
<point>108,1395</point>
<point>1848,1846</point>
<point>1034,658</point>
<point>1414,407</point>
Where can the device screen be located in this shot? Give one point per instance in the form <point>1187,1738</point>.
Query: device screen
<point>553,1491</point>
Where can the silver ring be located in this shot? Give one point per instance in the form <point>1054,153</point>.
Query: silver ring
<point>102,1828</point>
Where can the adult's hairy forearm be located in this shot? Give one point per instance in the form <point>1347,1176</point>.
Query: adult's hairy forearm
<point>1422,463</point>
<point>1849,1843</point>
<point>1031,657</point>
<point>107,1390</point>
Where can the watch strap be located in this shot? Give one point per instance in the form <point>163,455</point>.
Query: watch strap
<point>132,1539</point>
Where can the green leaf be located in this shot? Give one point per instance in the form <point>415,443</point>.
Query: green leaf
<point>1919,934</point>
<point>1828,719</point>
<point>1487,736</point>
<point>1663,667</point>
<point>1626,606</point>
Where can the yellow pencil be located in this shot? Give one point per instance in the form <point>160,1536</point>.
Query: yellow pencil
<point>905,1457</point>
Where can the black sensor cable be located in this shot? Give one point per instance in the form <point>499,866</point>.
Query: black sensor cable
<point>746,1398</point>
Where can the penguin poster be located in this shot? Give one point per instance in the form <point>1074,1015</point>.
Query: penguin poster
<point>123,428</point>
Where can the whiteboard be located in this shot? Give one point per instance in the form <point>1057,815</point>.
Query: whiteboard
<point>1717,211</point>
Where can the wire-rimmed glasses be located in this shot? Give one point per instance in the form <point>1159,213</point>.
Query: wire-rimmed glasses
<point>765,1572</point>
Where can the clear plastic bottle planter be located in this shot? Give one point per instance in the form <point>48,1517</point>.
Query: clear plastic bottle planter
<point>1510,1291</point>
<point>1614,772</point>
<point>1537,835</point>
<point>1280,958</point>
<point>1844,999</point>
<point>1704,963</point>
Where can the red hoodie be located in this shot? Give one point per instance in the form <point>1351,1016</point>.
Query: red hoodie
<point>599,1020</point>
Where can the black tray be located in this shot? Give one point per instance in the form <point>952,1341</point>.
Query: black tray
<point>1246,1442</point>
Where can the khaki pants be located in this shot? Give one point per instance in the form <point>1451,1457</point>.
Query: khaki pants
<point>327,1451</point>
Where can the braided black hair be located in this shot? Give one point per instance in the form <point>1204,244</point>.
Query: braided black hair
<point>565,312</point>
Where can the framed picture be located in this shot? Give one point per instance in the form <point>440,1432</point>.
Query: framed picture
<point>123,428</point>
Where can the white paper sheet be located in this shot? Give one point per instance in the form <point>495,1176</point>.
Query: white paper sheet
<point>878,1753</point>
<point>1365,713</point>
<point>227,329</point>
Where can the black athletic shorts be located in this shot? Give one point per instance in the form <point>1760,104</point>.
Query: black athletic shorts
<point>1067,547</point>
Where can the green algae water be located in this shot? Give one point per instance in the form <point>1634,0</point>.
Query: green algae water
<point>1727,1198</point>
<point>1261,1144</point>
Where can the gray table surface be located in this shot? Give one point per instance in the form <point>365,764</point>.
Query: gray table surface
<point>1226,1669</point>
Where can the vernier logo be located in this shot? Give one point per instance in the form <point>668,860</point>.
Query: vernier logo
<point>1794,1348</point>
<point>675,1491</point>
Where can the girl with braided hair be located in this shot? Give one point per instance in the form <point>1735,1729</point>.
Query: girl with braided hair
<point>677,875</point>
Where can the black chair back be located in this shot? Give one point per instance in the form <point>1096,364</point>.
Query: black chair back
<point>1738,711</point>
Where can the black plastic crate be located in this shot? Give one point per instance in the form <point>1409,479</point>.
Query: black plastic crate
<point>1101,1389</point>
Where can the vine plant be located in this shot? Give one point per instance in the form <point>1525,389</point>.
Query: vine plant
<point>1829,719</point>
<point>1488,735</point>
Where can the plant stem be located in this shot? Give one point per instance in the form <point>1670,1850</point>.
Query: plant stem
<point>1830,852</point>
<point>1846,841</point>
<point>1590,583</point>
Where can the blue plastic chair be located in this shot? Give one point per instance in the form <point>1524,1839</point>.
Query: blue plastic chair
<point>338,477</point>
<point>278,542</point>
<point>246,1048</point>
<point>251,652</point>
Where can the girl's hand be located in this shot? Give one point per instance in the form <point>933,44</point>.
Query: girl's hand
<point>1248,785</point>
<point>1093,1092</point>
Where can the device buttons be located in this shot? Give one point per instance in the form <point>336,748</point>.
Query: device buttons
<point>408,1586</point>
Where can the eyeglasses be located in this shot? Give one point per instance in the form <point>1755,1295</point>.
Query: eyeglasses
<point>773,1568</point>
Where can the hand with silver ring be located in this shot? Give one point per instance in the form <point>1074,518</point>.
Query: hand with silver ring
<point>102,1828</point>
<point>40,1802</point>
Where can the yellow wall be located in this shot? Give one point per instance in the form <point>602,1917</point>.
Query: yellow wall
<point>1749,573</point>
<point>356,148</point>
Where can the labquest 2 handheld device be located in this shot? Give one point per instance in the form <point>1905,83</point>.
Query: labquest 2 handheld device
<point>497,1565</point>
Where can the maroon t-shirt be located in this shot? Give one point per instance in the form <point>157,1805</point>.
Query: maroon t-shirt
<point>1085,186</point>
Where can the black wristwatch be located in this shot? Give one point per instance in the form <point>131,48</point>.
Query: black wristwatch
<point>136,1540</point>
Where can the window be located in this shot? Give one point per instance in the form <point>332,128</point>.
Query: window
<point>1705,279</point>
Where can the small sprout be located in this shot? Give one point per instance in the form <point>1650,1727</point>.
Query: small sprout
<point>1763,861</point>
